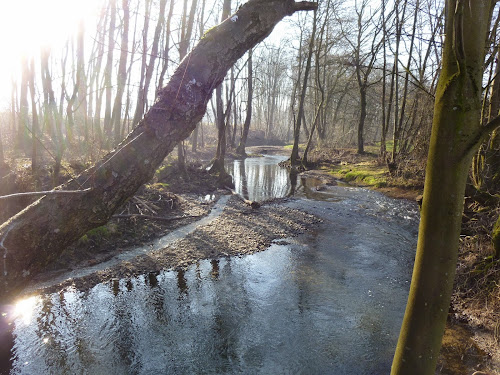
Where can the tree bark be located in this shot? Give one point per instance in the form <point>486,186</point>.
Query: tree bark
<point>248,119</point>
<point>109,70</point>
<point>294,157</point>
<point>81,80</point>
<point>139,108</point>
<point>34,119</point>
<point>495,238</point>
<point>37,235</point>
<point>186,31</point>
<point>122,75</point>
<point>23,106</point>
<point>456,133</point>
<point>220,154</point>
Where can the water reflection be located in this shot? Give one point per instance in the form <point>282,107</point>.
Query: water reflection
<point>307,307</point>
<point>329,303</point>
<point>6,341</point>
<point>260,178</point>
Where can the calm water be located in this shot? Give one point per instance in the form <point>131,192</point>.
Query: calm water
<point>261,178</point>
<point>327,303</point>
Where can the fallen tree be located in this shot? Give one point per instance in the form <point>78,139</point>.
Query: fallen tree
<point>37,235</point>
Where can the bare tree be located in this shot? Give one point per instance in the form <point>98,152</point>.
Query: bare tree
<point>139,108</point>
<point>122,74</point>
<point>294,157</point>
<point>248,119</point>
<point>218,162</point>
<point>35,236</point>
<point>108,72</point>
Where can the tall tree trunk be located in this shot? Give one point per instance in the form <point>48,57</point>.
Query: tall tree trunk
<point>398,134</point>
<point>235,117</point>
<point>34,119</point>
<point>139,108</point>
<point>154,50</point>
<point>23,106</point>
<point>81,81</point>
<point>95,77</point>
<point>108,72</point>
<point>37,235</point>
<point>399,28</point>
<point>362,117</point>
<point>248,119</point>
<point>218,163</point>
<point>294,157</point>
<point>201,24</point>
<point>166,51</point>
<point>52,118</point>
<point>122,74</point>
<point>383,136</point>
<point>495,238</point>
<point>456,133</point>
<point>186,31</point>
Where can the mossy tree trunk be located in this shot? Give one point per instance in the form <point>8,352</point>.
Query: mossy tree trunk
<point>37,235</point>
<point>456,133</point>
<point>495,237</point>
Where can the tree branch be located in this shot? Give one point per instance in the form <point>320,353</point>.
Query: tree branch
<point>149,217</point>
<point>305,5</point>
<point>50,192</point>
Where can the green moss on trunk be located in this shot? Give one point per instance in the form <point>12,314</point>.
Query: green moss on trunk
<point>495,236</point>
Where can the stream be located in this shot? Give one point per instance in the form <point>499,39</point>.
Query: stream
<point>330,302</point>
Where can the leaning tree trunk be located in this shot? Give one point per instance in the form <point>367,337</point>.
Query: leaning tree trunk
<point>37,235</point>
<point>456,133</point>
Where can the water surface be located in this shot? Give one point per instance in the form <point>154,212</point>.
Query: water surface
<point>330,302</point>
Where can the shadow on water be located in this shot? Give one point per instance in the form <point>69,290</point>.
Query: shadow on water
<point>327,303</point>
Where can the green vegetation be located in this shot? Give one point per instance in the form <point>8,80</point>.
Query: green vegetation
<point>99,232</point>
<point>302,146</point>
<point>496,238</point>
<point>374,148</point>
<point>362,174</point>
<point>160,186</point>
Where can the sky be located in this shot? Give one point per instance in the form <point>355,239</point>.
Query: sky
<point>26,25</point>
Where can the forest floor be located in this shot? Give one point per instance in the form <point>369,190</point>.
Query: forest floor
<point>175,199</point>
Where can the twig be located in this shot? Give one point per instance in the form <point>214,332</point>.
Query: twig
<point>50,192</point>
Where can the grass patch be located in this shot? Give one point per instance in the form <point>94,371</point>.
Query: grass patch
<point>368,174</point>
<point>374,148</point>
<point>96,233</point>
<point>302,146</point>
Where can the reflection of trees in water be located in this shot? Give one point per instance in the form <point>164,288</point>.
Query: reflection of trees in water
<point>215,269</point>
<point>227,318</point>
<point>182,283</point>
<point>293,182</point>
<point>6,345</point>
<point>259,179</point>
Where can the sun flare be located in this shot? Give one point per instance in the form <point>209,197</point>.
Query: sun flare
<point>24,309</point>
<point>27,25</point>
